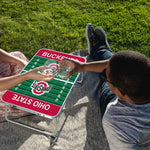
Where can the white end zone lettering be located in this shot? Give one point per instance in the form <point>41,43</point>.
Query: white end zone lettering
<point>41,105</point>
<point>29,101</point>
<point>21,99</point>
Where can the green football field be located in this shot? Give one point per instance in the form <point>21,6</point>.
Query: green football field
<point>40,96</point>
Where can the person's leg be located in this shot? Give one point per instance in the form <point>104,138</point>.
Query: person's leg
<point>99,49</point>
<point>105,96</point>
<point>15,69</point>
<point>9,69</point>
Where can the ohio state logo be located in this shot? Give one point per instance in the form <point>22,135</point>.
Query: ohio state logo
<point>39,88</point>
<point>54,65</point>
<point>51,69</point>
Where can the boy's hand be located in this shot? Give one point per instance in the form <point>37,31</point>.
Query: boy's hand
<point>74,66</point>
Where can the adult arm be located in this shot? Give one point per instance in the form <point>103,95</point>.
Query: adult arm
<point>9,82</point>
<point>6,57</point>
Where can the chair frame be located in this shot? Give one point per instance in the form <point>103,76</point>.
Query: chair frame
<point>54,135</point>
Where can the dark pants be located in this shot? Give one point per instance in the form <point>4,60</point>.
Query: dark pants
<point>106,95</point>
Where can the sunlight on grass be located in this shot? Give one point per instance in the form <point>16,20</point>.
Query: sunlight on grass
<point>28,26</point>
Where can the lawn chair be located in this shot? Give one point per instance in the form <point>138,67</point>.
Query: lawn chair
<point>41,98</point>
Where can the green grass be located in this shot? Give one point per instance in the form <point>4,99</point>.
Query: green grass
<point>29,25</point>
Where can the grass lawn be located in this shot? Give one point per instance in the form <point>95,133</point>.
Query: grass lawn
<point>29,25</point>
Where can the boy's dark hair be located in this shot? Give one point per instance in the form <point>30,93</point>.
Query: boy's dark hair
<point>130,73</point>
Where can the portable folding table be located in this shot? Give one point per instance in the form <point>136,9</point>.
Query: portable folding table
<point>40,97</point>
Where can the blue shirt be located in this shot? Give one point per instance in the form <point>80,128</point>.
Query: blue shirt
<point>127,126</point>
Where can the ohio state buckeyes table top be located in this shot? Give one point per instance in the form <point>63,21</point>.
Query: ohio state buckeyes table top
<point>40,97</point>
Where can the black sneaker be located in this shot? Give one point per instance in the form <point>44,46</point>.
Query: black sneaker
<point>101,36</point>
<point>93,42</point>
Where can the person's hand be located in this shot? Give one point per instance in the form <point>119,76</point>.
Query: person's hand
<point>37,75</point>
<point>74,66</point>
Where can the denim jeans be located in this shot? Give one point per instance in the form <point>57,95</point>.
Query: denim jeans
<point>105,94</point>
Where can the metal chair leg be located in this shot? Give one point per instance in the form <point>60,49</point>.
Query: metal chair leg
<point>33,128</point>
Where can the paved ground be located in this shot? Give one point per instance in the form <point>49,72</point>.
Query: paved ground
<point>79,129</point>
<point>79,126</point>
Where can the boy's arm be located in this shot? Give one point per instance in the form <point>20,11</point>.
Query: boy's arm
<point>77,67</point>
<point>96,66</point>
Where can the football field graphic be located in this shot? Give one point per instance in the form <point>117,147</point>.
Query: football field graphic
<point>42,97</point>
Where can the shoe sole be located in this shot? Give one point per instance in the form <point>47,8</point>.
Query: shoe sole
<point>86,34</point>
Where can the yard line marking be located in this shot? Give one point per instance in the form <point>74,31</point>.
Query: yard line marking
<point>64,81</point>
